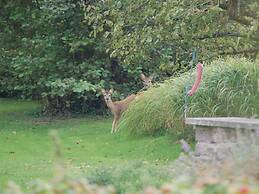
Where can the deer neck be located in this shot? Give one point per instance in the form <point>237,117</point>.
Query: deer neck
<point>110,105</point>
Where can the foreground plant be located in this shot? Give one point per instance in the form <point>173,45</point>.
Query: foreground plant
<point>229,88</point>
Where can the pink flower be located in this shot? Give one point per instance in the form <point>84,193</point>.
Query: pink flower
<point>244,190</point>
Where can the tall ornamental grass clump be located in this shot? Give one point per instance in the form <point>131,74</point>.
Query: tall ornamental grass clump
<point>228,88</point>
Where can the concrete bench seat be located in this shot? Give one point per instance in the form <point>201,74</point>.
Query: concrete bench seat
<point>228,122</point>
<point>217,137</point>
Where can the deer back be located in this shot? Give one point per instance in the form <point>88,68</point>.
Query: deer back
<point>124,104</point>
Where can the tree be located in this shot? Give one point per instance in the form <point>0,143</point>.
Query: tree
<point>48,54</point>
<point>62,52</point>
<point>162,34</point>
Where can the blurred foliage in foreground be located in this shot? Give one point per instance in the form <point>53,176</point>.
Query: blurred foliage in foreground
<point>238,174</point>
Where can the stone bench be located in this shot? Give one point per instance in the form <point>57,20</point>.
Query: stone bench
<point>218,137</point>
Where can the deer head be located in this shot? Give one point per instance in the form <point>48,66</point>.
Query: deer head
<point>147,81</point>
<point>107,94</point>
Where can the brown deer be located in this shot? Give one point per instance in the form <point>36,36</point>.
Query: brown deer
<point>116,107</point>
<point>147,81</point>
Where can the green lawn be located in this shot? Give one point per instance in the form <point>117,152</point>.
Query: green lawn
<point>26,148</point>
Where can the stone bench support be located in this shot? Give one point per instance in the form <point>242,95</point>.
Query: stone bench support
<point>218,137</point>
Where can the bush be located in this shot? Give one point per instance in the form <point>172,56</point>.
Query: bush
<point>229,88</point>
<point>49,54</point>
<point>63,51</point>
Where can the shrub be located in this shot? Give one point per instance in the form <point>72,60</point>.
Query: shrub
<point>49,54</point>
<point>65,50</point>
<point>229,88</point>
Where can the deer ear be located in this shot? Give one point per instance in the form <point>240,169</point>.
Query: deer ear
<point>111,91</point>
<point>103,91</point>
<point>142,76</point>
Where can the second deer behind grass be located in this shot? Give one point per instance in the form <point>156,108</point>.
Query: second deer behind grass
<point>118,107</point>
<point>147,81</point>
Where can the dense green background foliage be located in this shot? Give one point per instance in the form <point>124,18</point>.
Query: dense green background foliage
<point>63,52</point>
<point>161,35</point>
<point>48,54</point>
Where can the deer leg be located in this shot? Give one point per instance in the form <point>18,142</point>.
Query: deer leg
<point>115,123</point>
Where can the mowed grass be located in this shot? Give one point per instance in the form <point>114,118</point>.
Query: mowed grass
<point>26,149</point>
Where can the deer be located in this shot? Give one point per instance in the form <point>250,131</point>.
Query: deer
<point>147,81</point>
<point>118,107</point>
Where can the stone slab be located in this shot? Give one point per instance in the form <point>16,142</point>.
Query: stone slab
<point>220,138</point>
<point>215,134</point>
<point>205,149</point>
<point>225,122</point>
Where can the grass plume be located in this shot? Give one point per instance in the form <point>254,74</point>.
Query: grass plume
<point>229,88</point>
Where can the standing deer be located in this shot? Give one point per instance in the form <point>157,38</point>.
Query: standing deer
<point>117,107</point>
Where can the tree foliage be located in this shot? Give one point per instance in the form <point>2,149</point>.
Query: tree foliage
<point>63,52</point>
<point>162,34</point>
<point>48,53</point>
